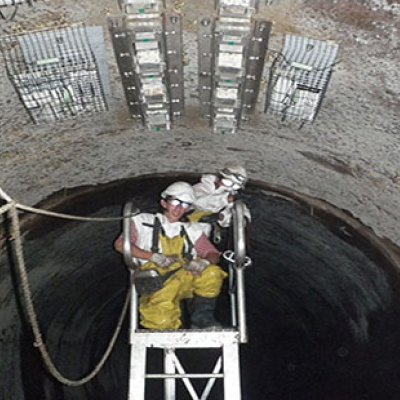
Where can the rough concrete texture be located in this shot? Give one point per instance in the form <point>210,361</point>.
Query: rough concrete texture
<point>348,157</point>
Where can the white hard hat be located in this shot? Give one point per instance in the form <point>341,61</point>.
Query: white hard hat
<point>179,190</point>
<point>235,173</point>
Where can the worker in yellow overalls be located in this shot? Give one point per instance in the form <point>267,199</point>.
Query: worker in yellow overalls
<point>183,255</point>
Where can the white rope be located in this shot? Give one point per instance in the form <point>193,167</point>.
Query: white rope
<point>5,196</point>
<point>5,208</point>
<point>33,320</point>
<point>40,211</point>
<point>12,207</point>
<point>68,216</point>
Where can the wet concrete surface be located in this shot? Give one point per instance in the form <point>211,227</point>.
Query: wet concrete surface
<point>323,306</point>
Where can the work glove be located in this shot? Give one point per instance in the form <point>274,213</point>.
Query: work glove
<point>225,217</point>
<point>196,267</point>
<point>247,213</point>
<point>161,260</point>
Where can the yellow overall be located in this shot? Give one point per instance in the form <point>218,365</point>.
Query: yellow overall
<point>161,310</point>
<point>197,215</point>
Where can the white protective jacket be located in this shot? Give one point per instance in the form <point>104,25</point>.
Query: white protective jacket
<point>210,198</point>
<point>213,199</point>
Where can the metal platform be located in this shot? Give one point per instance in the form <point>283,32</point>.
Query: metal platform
<point>227,366</point>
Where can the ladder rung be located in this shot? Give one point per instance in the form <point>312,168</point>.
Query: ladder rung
<point>178,376</point>
<point>185,338</point>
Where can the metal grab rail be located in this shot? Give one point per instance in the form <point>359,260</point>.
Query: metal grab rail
<point>239,242</point>
<point>126,231</point>
<point>128,259</point>
<point>238,262</point>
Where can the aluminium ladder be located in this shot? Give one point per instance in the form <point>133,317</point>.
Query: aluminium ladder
<point>227,366</point>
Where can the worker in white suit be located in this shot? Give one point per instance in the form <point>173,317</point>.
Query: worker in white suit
<point>216,193</point>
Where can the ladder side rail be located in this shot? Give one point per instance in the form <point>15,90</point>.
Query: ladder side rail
<point>232,381</point>
<point>137,372</point>
<point>134,308</point>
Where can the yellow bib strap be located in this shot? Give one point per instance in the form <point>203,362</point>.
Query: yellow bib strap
<point>197,215</point>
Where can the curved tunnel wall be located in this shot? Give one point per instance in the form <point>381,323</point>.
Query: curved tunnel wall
<point>323,309</point>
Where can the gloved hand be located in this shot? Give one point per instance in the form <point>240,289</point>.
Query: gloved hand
<point>225,217</point>
<point>197,266</point>
<point>161,260</point>
<point>247,213</point>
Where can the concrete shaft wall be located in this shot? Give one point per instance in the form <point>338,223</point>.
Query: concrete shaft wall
<point>348,157</point>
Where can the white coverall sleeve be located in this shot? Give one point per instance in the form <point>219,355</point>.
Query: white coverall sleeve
<point>207,197</point>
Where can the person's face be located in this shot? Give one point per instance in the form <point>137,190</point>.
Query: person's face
<point>175,209</point>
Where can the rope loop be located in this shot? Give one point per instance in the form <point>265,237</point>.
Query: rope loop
<point>12,207</point>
